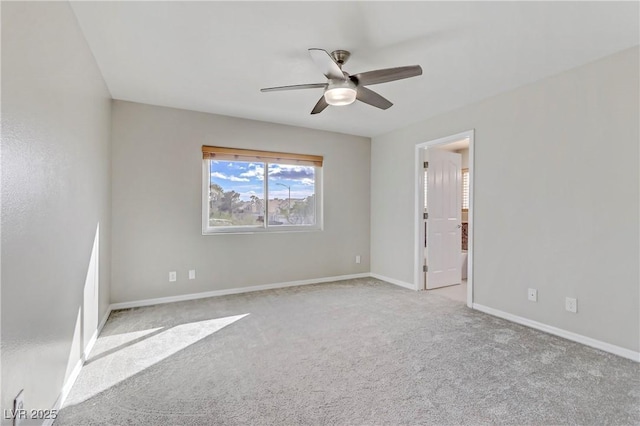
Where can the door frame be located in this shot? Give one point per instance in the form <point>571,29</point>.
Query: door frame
<point>419,207</point>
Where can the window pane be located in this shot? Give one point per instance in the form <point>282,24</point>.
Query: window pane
<point>236,193</point>
<point>292,195</point>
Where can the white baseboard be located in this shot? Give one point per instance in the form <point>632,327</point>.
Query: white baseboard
<point>66,388</point>
<point>68,384</point>
<point>603,346</point>
<point>228,291</point>
<point>393,281</point>
<point>95,335</point>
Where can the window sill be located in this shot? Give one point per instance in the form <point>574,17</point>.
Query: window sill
<point>283,230</point>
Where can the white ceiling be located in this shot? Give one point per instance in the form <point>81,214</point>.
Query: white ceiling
<point>215,56</point>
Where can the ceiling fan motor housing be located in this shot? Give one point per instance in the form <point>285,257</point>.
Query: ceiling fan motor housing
<point>341,56</point>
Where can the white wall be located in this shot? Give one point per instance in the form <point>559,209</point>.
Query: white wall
<point>55,197</point>
<point>562,219</point>
<point>157,182</point>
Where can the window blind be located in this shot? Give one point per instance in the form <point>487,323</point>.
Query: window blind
<point>425,191</point>
<point>235,154</point>
<point>465,189</point>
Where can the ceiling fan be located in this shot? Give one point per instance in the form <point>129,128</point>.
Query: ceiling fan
<point>342,88</point>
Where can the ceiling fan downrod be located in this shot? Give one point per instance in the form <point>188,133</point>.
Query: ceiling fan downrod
<point>341,57</point>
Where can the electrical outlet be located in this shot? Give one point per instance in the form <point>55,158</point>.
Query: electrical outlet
<point>532,294</point>
<point>19,413</point>
<point>358,259</point>
<point>192,274</point>
<point>173,276</point>
<point>571,304</point>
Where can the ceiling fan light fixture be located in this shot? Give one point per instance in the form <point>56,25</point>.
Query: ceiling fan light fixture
<point>340,96</point>
<point>340,92</point>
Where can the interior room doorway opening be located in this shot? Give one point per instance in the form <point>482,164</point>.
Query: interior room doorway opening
<point>444,215</point>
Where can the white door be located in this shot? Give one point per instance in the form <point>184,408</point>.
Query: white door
<point>444,225</point>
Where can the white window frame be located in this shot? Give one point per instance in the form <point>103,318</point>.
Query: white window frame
<point>265,228</point>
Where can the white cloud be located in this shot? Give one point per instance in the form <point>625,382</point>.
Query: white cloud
<point>307,181</point>
<point>246,196</point>
<point>231,178</point>
<point>297,194</point>
<point>255,171</point>
<point>297,173</point>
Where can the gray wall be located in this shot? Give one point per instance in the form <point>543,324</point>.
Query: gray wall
<point>556,198</point>
<point>157,181</point>
<point>55,195</point>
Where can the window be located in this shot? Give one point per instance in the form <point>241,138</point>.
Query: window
<point>465,190</point>
<point>258,191</point>
<point>425,190</point>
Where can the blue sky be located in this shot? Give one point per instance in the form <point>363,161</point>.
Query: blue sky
<point>247,179</point>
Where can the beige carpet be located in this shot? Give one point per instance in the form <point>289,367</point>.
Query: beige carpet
<point>455,292</point>
<point>358,352</point>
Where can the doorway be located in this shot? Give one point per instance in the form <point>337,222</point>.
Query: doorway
<point>444,215</point>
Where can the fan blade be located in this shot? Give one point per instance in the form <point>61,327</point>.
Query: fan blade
<point>295,87</point>
<point>327,65</point>
<point>320,106</point>
<point>388,74</point>
<point>372,98</point>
